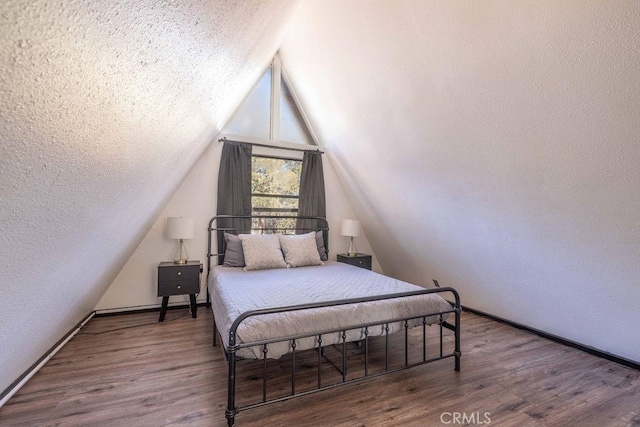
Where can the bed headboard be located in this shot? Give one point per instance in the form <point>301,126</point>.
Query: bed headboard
<point>260,224</point>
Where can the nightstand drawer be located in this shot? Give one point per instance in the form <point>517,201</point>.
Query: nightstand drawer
<point>178,287</point>
<point>179,272</point>
<point>360,260</point>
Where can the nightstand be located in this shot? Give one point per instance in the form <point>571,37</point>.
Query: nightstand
<point>359,260</point>
<point>178,279</point>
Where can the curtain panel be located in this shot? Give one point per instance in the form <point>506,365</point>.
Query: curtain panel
<point>234,187</point>
<point>312,197</point>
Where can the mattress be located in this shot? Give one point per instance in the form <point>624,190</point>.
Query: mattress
<point>235,291</point>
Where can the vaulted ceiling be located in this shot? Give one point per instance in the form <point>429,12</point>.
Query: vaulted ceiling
<point>490,145</point>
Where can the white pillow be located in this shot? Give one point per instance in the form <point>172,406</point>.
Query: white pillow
<point>262,251</point>
<point>300,249</point>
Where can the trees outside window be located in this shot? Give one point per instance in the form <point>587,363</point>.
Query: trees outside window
<point>275,186</point>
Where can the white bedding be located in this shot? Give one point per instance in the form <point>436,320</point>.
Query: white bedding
<point>234,291</point>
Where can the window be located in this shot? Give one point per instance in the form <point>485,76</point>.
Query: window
<point>275,187</point>
<point>270,111</point>
<point>252,117</point>
<point>292,125</point>
<point>270,115</point>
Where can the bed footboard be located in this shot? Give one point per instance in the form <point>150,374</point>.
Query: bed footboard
<point>232,409</point>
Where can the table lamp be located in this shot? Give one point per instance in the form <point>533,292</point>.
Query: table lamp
<point>351,228</point>
<point>179,228</point>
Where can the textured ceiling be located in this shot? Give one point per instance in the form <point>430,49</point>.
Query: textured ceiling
<point>491,145</point>
<point>104,108</point>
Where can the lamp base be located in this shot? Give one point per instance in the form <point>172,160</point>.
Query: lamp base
<point>352,251</point>
<point>182,256</point>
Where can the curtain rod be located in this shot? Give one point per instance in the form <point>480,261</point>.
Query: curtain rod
<point>255,144</point>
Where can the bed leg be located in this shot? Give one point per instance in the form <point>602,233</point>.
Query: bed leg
<point>458,354</point>
<point>231,411</point>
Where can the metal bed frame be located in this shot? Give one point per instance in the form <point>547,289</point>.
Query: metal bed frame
<point>230,351</point>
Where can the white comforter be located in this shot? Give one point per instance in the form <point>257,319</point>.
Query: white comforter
<point>234,291</point>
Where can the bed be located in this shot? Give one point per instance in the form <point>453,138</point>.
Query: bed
<point>269,313</point>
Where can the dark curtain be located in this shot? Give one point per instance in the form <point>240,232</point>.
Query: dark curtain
<point>234,188</point>
<point>312,200</point>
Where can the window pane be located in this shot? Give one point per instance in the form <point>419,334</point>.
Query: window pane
<point>275,225</point>
<point>275,184</point>
<point>292,126</point>
<point>275,176</point>
<point>254,115</point>
<point>274,202</point>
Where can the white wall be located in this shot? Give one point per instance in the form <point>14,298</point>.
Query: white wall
<point>491,145</point>
<point>135,286</point>
<point>105,108</point>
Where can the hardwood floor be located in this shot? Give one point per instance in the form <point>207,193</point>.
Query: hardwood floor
<point>168,373</point>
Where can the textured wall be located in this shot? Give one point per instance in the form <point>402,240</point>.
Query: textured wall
<point>104,108</point>
<point>491,145</point>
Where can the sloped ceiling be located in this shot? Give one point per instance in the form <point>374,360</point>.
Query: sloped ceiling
<point>493,146</point>
<point>105,107</point>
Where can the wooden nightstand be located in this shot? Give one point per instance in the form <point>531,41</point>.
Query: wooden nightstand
<point>359,260</point>
<point>179,279</point>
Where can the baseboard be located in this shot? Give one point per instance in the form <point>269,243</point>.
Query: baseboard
<point>26,375</point>
<point>587,349</point>
<point>135,310</point>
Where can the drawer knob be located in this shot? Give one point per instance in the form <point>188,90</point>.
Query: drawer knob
<point>178,286</point>
<point>179,273</point>
<point>359,262</point>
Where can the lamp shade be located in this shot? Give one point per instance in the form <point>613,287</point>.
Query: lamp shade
<point>350,227</point>
<point>179,228</point>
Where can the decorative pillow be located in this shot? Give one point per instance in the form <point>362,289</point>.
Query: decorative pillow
<point>262,251</point>
<point>233,254</point>
<point>300,249</point>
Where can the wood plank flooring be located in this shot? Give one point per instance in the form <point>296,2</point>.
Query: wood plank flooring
<point>116,373</point>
